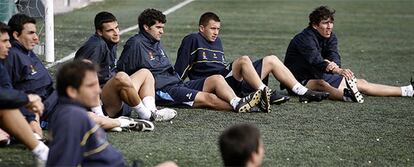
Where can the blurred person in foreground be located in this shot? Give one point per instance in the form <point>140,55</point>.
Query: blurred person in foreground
<point>242,146</point>
<point>76,140</point>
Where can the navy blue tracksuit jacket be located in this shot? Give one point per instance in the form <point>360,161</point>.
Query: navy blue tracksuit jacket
<point>77,140</point>
<point>306,53</point>
<point>143,51</point>
<point>100,52</point>
<point>198,58</point>
<point>27,73</point>
<point>9,97</point>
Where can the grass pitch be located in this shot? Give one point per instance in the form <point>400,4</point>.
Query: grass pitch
<point>375,41</point>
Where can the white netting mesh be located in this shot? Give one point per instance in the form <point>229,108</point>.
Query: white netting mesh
<point>33,8</point>
<point>7,9</point>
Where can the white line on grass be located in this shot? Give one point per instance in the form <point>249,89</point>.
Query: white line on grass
<point>168,11</point>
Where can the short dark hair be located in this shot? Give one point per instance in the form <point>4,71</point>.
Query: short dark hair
<point>149,17</point>
<point>17,22</point>
<point>103,17</point>
<point>72,74</point>
<point>3,28</point>
<point>237,143</point>
<point>321,13</point>
<point>206,17</point>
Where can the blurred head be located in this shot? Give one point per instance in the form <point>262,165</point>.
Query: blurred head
<point>209,26</point>
<point>152,21</point>
<point>78,80</point>
<point>23,29</point>
<point>241,145</point>
<point>322,20</point>
<point>4,40</point>
<point>106,26</point>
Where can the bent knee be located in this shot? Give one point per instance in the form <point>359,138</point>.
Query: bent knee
<point>215,79</point>
<point>144,71</point>
<point>272,57</point>
<point>122,78</point>
<point>271,60</point>
<point>121,75</point>
<point>142,75</point>
<point>243,60</point>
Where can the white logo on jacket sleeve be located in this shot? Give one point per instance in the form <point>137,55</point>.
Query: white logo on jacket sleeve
<point>189,95</point>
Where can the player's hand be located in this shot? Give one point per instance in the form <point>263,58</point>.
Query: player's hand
<point>347,73</point>
<point>35,104</point>
<point>331,65</point>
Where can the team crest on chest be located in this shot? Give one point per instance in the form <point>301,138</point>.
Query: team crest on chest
<point>214,55</point>
<point>33,70</point>
<point>151,55</point>
<point>204,55</point>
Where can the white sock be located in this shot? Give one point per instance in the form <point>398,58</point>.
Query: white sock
<point>407,91</point>
<point>149,102</point>
<point>234,101</point>
<point>41,151</point>
<point>299,89</point>
<point>98,110</point>
<point>262,86</point>
<point>142,111</point>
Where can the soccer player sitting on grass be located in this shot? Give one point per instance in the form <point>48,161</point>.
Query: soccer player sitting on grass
<point>314,60</point>
<point>29,74</point>
<point>119,88</point>
<point>11,119</point>
<point>201,55</point>
<point>144,50</point>
<point>77,140</point>
<point>26,71</point>
<point>242,146</point>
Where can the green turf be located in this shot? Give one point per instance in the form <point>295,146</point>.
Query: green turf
<point>375,41</point>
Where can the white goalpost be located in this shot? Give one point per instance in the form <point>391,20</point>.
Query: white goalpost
<point>49,32</point>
